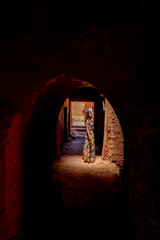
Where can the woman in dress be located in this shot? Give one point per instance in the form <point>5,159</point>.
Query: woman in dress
<point>88,154</point>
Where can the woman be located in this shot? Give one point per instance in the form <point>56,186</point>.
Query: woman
<point>88,154</point>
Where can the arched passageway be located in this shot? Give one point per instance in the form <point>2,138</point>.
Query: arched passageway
<point>44,205</point>
<point>89,195</point>
<point>108,133</point>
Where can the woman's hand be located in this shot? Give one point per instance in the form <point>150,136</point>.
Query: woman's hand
<point>89,138</point>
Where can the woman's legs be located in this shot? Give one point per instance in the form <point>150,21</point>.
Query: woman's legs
<point>88,154</point>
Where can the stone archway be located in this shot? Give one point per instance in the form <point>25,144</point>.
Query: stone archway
<point>113,140</point>
<point>40,144</point>
<point>38,135</point>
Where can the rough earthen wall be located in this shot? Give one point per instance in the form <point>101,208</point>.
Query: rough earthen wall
<point>113,143</point>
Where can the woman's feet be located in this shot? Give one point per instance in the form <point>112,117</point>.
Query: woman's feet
<point>89,161</point>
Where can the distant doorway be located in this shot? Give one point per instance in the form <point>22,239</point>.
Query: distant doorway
<point>78,110</point>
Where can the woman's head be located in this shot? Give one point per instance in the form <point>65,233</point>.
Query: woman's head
<point>88,115</point>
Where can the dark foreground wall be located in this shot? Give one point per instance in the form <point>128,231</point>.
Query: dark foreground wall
<point>38,73</point>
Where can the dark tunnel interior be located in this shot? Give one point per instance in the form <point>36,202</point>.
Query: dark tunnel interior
<point>53,53</point>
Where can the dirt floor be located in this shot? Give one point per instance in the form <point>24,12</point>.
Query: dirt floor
<point>88,199</point>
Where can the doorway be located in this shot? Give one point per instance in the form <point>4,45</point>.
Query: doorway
<point>78,110</point>
<point>75,108</point>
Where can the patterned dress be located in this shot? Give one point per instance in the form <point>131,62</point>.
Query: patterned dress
<point>88,154</point>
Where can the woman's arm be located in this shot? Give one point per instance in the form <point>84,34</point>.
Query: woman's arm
<point>87,127</point>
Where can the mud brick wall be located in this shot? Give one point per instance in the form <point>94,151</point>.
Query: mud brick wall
<point>113,146</point>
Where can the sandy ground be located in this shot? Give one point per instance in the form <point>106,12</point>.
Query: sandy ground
<point>88,199</point>
<point>81,182</point>
<point>88,194</point>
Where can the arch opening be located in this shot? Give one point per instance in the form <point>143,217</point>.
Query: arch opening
<point>43,197</point>
<point>108,133</point>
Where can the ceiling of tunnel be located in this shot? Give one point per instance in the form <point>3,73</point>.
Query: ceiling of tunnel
<point>56,91</point>
<point>19,18</point>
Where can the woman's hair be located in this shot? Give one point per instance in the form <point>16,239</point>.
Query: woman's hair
<point>86,116</point>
